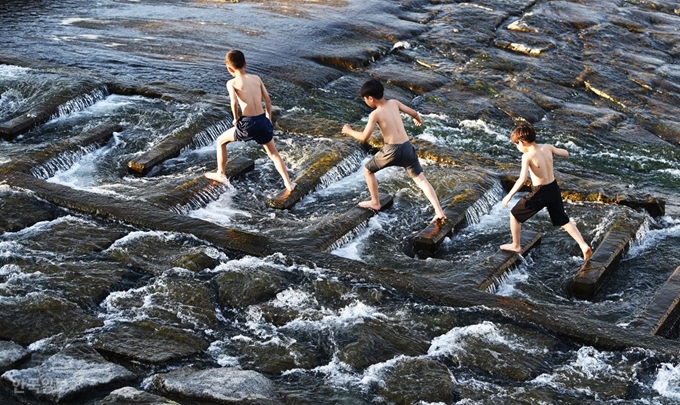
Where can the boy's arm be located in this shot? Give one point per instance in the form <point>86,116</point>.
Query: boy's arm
<point>233,101</point>
<point>410,111</point>
<point>559,151</point>
<point>368,130</point>
<point>523,174</point>
<point>267,100</point>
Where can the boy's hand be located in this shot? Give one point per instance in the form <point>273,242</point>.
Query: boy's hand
<point>418,120</point>
<point>506,200</point>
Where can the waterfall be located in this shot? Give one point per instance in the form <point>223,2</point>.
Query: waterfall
<point>483,205</point>
<point>208,136</point>
<point>348,236</point>
<point>344,168</point>
<point>81,102</point>
<point>200,199</point>
<point>63,162</point>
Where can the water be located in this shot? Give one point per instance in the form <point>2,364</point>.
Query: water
<point>321,335</point>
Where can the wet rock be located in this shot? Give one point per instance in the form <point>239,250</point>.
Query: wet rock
<point>218,385</point>
<point>243,288</point>
<point>75,371</point>
<point>407,74</point>
<point>132,396</point>
<point>378,340</point>
<point>37,315</point>
<point>277,355</point>
<point>21,210</point>
<point>11,354</point>
<point>428,381</point>
<point>148,342</point>
<point>174,299</point>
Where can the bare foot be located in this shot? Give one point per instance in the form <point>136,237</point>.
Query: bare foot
<point>587,253</point>
<point>291,187</point>
<point>369,204</point>
<point>512,248</point>
<point>218,177</point>
<point>438,218</point>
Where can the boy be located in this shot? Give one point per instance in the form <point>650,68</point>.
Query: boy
<point>247,91</point>
<point>537,161</point>
<point>397,149</point>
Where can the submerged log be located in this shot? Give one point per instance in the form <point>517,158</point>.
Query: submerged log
<point>615,244</point>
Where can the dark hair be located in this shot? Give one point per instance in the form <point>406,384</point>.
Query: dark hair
<point>235,59</point>
<point>372,88</point>
<point>523,132</point>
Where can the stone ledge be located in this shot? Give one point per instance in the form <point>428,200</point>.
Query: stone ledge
<point>615,244</point>
<point>662,314</point>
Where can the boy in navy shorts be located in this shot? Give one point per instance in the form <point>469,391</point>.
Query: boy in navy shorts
<point>252,123</point>
<point>537,161</point>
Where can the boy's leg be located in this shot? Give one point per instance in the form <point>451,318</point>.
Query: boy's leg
<point>573,231</point>
<point>221,150</point>
<point>372,183</point>
<point>273,154</point>
<point>516,231</point>
<point>427,188</point>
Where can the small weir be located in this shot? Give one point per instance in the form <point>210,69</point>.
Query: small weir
<point>81,102</point>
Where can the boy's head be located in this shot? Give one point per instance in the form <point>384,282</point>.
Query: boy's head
<point>524,133</point>
<point>372,88</point>
<point>235,59</point>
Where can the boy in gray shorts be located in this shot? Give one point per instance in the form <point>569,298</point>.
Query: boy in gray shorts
<point>397,151</point>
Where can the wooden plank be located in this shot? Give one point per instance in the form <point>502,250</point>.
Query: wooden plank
<point>662,314</point>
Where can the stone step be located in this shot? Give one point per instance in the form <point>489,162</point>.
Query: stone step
<point>427,241</point>
<point>487,273</point>
<point>172,145</point>
<point>662,314</point>
<point>42,113</point>
<point>593,274</point>
<point>200,191</point>
<point>312,177</point>
<point>32,162</point>
<point>325,236</point>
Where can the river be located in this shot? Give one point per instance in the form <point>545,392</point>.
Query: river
<point>598,78</point>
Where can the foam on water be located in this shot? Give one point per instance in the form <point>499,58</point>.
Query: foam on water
<point>351,245</point>
<point>651,238</point>
<point>667,381</point>
<point>223,211</point>
<point>452,343</point>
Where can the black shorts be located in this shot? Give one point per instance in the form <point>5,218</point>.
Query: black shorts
<point>400,154</point>
<point>544,196</point>
<point>257,128</point>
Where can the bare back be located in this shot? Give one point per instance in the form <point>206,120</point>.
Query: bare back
<point>540,161</point>
<point>249,91</point>
<point>388,117</point>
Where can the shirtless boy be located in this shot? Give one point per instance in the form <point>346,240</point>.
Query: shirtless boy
<point>252,123</point>
<point>397,149</point>
<point>537,161</point>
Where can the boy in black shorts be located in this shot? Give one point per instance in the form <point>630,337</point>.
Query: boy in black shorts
<point>397,150</point>
<point>537,161</point>
<point>253,123</point>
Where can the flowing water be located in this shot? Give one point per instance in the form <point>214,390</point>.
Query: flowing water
<point>309,336</point>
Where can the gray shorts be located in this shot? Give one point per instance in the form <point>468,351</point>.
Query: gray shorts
<point>400,154</point>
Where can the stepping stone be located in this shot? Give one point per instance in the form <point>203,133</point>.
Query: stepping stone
<point>197,193</point>
<point>42,113</point>
<point>171,146</point>
<point>11,354</point>
<point>40,163</point>
<point>593,274</point>
<point>328,233</point>
<point>427,241</point>
<point>662,314</point>
<point>493,268</point>
<point>312,177</point>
